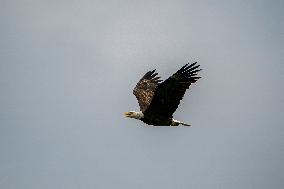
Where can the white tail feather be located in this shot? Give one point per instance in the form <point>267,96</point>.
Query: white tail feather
<point>176,123</point>
<point>185,124</point>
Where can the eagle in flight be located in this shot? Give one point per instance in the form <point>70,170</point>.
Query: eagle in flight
<point>159,100</point>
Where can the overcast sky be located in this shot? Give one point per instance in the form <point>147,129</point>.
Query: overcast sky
<point>67,70</point>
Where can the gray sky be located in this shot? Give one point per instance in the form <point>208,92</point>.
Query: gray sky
<point>67,70</point>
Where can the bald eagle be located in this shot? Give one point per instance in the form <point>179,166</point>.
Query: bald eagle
<point>159,100</point>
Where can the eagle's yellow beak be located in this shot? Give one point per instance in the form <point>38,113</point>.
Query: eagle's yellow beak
<point>127,114</point>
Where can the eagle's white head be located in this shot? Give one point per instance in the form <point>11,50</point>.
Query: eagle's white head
<point>134,114</point>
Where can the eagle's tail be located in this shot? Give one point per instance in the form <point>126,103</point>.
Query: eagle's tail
<point>185,124</point>
<point>176,123</point>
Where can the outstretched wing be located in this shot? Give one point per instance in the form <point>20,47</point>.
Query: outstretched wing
<point>144,90</point>
<point>169,93</point>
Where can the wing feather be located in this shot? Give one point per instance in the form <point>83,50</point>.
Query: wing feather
<point>168,94</point>
<point>145,88</point>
